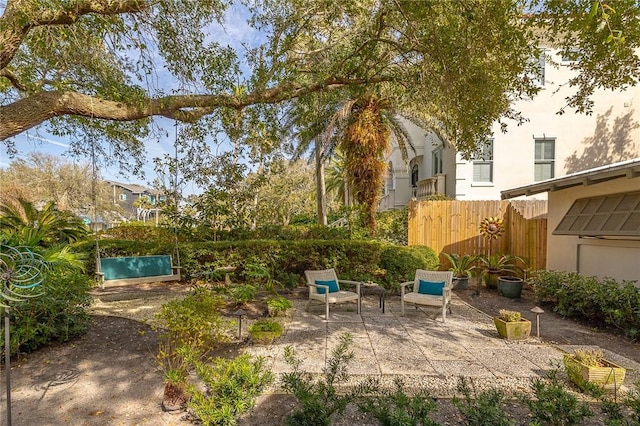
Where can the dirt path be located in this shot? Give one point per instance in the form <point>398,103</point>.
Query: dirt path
<point>106,377</point>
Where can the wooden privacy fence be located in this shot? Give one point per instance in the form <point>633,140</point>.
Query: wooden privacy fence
<point>453,227</point>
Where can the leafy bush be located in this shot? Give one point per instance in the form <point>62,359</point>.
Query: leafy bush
<point>242,294</point>
<point>553,405</point>
<point>605,301</point>
<point>400,263</point>
<point>278,305</point>
<point>480,409</point>
<point>395,407</point>
<point>393,226</point>
<point>57,314</point>
<point>140,231</point>
<point>320,399</point>
<point>190,329</point>
<point>231,389</point>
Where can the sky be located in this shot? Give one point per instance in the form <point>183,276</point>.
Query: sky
<point>235,32</point>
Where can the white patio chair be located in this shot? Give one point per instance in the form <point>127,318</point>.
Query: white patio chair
<point>327,296</point>
<point>429,295</point>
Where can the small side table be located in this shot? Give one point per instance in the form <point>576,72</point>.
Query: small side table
<point>372,288</point>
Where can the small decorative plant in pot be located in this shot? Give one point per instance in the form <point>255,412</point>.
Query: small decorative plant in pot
<point>497,265</point>
<point>265,331</point>
<point>462,267</point>
<point>588,368</point>
<point>511,325</point>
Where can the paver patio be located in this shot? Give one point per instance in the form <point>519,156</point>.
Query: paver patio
<point>418,348</point>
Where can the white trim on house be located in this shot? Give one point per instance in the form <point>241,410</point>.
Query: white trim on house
<point>628,169</point>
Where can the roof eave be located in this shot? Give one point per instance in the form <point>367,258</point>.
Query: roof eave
<point>626,169</point>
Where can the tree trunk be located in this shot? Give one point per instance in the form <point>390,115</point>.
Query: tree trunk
<point>321,194</point>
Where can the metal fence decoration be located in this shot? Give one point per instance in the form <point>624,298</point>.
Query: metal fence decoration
<point>20,270</point>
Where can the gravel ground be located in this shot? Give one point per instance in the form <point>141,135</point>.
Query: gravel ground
<point>109,376</point>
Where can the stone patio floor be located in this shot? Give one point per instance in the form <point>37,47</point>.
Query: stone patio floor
<point>418,348</point>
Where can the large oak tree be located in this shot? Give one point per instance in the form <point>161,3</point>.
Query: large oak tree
<point>106,68</point>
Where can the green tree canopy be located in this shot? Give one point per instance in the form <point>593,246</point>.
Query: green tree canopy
<point>93,68</point>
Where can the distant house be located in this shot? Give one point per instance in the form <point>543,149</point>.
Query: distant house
<point>593,224</point>
<point>126,195</point>
<point>547,146</point>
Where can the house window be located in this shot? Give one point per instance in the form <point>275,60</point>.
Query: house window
<point>414,176</point>
<point>536,69</point>
<point>541,69</point>
<point>545,154</point>
<point>437,161</point>
<point>123,197</point>
<point>570,55</point>
<point>483,163</point>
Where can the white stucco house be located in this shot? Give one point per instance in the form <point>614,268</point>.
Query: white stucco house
<point>593,223</point>
<point>548,146</point>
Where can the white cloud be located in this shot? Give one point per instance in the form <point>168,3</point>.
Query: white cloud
<point>47,140</point>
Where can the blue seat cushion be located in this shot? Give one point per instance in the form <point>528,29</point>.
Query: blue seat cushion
<point>431,288</point>
<point>333,286</point>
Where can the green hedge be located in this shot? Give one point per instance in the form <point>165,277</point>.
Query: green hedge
<point>603,301</point>
<point>286,260</point>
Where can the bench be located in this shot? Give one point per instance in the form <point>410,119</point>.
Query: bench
<point>117,271</point>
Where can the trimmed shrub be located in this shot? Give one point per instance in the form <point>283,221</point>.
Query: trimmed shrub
<point>285,261</point>
<point>139,231</point>
<point>400,263</point>
<point>604,301</point>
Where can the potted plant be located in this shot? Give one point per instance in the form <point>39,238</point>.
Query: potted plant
<point>510,286</point>
<point>496,265</point>
<point>511,325</point>
<point>588,367</point>
<point>265,330</point>
<point>461,266</point>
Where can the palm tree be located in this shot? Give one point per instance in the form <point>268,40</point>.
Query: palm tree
<point>361,127</point>
<point>21,221</point>
<point>336,182</point>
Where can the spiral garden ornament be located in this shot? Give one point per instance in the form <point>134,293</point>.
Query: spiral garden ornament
<point>20,269</point>
<point>492,227</point>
